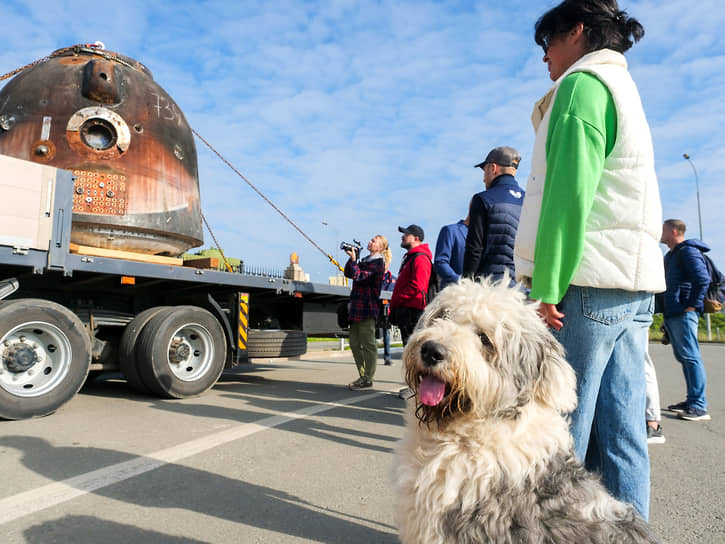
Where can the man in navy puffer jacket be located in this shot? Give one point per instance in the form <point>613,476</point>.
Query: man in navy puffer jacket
<point>687,281</point>
<point>494,217</point>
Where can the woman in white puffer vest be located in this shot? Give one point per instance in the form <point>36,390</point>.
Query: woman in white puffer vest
<point>587,243</point>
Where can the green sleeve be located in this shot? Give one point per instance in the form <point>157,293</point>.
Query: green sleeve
<point>581,133</point>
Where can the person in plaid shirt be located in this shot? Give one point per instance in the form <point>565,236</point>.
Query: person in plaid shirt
<point>367,277</point>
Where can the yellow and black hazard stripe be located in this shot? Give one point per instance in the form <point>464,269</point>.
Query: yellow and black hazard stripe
<point>242,326</point>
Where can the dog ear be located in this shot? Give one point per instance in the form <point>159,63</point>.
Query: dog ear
<point>556,383</point>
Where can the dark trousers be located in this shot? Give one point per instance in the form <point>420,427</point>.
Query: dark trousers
<point>406,319</point>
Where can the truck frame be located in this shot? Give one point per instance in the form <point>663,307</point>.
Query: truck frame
<point>171,330</point>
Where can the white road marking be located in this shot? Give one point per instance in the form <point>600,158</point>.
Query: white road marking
<point>40,498</point>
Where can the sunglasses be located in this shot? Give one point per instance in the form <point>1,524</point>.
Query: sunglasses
<point>547,42</point>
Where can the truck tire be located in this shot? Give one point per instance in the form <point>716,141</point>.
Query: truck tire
<point>276,343</point>
<point>181,352</point>
<point>127,346</point>
<point>45,355</point>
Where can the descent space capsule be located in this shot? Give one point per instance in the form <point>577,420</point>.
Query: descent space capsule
<point>102,116</point>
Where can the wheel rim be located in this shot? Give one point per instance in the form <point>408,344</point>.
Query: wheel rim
<point>190,352</point>
<point>34,358</point>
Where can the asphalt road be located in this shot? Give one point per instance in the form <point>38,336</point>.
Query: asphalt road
<point>281,452</point>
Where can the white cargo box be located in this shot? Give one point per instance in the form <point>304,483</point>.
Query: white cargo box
<point>26,197</point>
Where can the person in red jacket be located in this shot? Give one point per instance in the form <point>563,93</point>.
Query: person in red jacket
<point>409,293</point>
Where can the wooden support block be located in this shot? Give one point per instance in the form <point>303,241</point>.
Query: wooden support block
<point>128,255</point>
<point>205,262</point>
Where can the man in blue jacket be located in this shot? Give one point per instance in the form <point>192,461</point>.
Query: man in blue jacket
<point>687,281</point>
<point>494,217</point>
<point>450,246</point>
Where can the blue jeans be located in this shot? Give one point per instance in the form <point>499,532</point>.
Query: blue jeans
<point>682,330</point>
<point>605,337</point>
<point>386,343</point>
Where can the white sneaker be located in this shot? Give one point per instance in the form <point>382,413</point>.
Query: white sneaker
<point>654,436</point>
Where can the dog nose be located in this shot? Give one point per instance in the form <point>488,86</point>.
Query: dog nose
<point>432,353</point>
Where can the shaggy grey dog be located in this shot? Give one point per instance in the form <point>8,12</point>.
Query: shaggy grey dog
<point>487,455</point>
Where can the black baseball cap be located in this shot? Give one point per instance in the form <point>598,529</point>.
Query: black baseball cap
<point>415,230</point>
<point>503,156</point>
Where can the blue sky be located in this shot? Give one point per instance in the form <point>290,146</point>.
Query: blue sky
<point>369,115</point>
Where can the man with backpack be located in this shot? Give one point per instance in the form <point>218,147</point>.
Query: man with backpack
<point>688,279</point>
<point>410,294</point>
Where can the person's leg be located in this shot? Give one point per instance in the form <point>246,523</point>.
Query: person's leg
<point>673,327</point>
<point>369,348</point>
<point>409,321</point>
<point>652,406</point>
<point>622,398</point>
<point>356,346</point>
<point>588,344</point>
<point>603,327</point>
<point>682,330</point>
<point>386,345</point>
<point>652,414</point>
<point>406,330</point>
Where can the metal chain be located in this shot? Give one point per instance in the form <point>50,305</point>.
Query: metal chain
<point>108,56</point>
<point>44,59</point>
<point>77,47</point>
<point>86,47</point>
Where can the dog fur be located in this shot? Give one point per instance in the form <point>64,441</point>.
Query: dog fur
<point>493,461</point>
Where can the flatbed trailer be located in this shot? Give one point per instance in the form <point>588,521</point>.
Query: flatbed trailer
<point>170,329</point>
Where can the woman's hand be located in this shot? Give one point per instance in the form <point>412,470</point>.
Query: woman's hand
<point>551,315</point>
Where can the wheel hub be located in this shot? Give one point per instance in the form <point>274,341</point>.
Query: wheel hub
<point>35,357</point>
<point>20,356</point>
<point>179,351</point>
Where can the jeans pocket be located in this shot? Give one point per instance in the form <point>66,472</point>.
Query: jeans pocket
<point>607,306</point>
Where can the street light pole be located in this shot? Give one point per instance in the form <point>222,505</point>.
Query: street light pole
<point>697,191</point>
<point>699,220</point>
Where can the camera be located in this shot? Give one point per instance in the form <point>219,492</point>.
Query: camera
<point>355,247</point>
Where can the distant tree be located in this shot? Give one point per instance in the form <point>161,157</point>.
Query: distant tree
<point>717,321</point>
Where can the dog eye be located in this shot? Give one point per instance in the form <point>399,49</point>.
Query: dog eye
<point>484,339</point>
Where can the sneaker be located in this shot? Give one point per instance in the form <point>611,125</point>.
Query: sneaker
<point>677,408</point>
<point>694,414</point>
<point>388,362</point>
<point>360,383</point>
<point>654,436</point>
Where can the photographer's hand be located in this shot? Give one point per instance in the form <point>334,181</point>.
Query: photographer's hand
<point>351,254</point>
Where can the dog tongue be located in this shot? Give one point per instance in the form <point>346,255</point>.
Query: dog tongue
<point>431,390</point>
